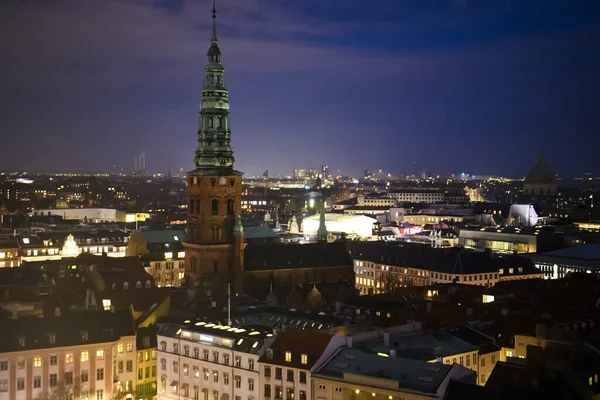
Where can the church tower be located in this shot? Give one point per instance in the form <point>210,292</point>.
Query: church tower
<point>214,252</point>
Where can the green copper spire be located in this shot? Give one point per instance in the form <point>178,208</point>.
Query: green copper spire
<point>214,154</point>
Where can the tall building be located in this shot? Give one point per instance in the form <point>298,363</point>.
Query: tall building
<point>215,247</point>
<point>540,180</point>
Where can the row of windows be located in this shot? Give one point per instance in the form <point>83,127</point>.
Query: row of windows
<point>223,358</point>
<point>215,377</point>
<point>278,393</point>
<point>52,380</point>
<point>194,206</point>
<point>289,374</point>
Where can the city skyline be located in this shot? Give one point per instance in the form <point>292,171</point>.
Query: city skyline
<point>435,77</point>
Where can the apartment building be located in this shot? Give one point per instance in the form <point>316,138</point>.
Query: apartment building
<point>72,354</point>
<point>199,360</point>
<point>416,195</point>
<point>287,364</point>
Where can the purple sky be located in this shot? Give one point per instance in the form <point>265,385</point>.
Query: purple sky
<point>402,85</point>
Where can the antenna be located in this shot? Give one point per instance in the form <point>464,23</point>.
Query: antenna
<point>229,304</point>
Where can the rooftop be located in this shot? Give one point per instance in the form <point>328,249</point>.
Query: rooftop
<point>590,252</point>
<point>408,374</point>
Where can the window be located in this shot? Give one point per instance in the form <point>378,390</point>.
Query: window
<point>304,359</point>
<point>100,374</point>
<point>278,373</point>
<point>37,382</point>
<point>229,207</point>
<point>3,385</point>
<point>69,378</point>
<point>125,286</point>
<point>226,379</point>
<point>251,384</point>
<point>129,366</point>
<point>129,347</point>
<point>3,365</point>
<point>468,364</point>
<point>85,376</point>
<point>120,347</point>
<point>321,386</point>
<point>138,285</point>
<point>302,376</point>
<point>186,351</point>
<point>278,392</point>
<point>493,359</point>
<point>482,362</point>
<point>100,354</point>
<point>509,353</point>
<point>216,376</point>
<point>215,356</point>
<point>303,395</point>
<point>226,359</point>
<point>215,207</point>
<point>338,389</point>
<point>267,371</point>
<point>154,370</point>
<point>205,354</point>
<point>20,383</point>
<point>238,361</point>
<point>238,381</point>
<point>99,394</point>
<point>147,374</point>
<point>186,369</point>
<point>251,364</point>
<point>53,360</point>
<point>53,380</point>
<point>205,373</point>
<point>288,356</point>
<point>37,362</point>
<point>175,367</point>
<point>163,364</point>
<point>290,375</point>
<point>85,356</point>
<point>289,394</point>
<point>69,358</point>
<point>267,390</point>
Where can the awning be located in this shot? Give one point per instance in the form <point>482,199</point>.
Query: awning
<point>184,386</point>
<point>174,383</point>
<point>225,396</point>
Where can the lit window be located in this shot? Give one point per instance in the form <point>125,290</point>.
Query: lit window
<point>288,356</point>
<point>120,347</point>
<point>69,358</point>
<point>168,255</point>
<point>84,356</point>
<point>100,354</point>
<point>37,361</point>
<point>304,359</point>
<point>106,304</point>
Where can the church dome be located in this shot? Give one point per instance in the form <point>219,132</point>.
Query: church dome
<point>540,173</point>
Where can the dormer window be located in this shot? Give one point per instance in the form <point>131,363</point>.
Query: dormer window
<point>125,286</point>
<point>138,285</point>
<point>148,284</point>
<point>288,356</point>
<point>270,354</point>
<point>22,341</point>
<point>304,359</point>
<point>52,338</point>
<point>84,336</point>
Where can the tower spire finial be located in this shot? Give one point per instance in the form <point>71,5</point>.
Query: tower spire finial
<point>213,39</point>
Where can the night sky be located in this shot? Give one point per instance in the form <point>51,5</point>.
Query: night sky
<point>478,86</point>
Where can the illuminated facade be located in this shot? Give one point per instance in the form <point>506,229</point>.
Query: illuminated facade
<point>215,247</point>
<point>416,195</point>
<point>208,361</point>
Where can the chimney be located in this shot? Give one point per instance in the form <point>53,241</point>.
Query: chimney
<point>393,353</point>
<point>57,311</point>
<point>338,307</point>
<point>386,339</point>
<point>349,340</point>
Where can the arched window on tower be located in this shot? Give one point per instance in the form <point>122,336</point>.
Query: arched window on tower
<point>219,120</point>
<point>197,206</point>
<point>193,265</point>
<point>212,78</point>
<point>148,284</point>
<point>215,207</point>
<point>209,122</point>
<point>229,207</point>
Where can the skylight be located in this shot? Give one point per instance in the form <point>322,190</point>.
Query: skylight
<point>26,240</point>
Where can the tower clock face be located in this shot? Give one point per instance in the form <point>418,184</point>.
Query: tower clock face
<point>222,181</point>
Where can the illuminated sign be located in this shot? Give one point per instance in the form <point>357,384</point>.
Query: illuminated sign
<point>206,338</point>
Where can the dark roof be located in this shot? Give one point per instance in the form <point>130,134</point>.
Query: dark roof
<point>259,257</point>
<point>453,260</point>
<point>298,342</point>
<point>466,391</point>
<point>69,329</point>
<point>540,173</point>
